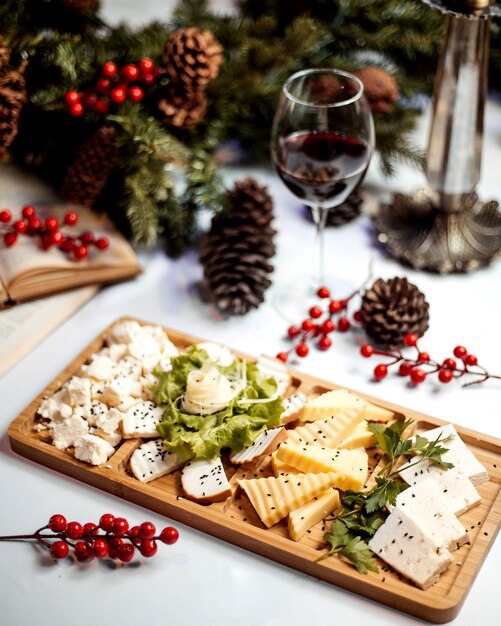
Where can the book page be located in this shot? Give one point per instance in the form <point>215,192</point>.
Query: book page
<point>23,326</point>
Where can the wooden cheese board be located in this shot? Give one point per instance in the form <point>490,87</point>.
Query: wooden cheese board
<point>236,522</point>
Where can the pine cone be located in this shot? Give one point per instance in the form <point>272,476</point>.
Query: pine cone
<point>4,55</point>
<point>80,7</point>
<point>87,174</point>
<point>193,57</point>
<point>181,108</point>
<point>12,98</point>
<point>381,89</point>
<point>235,252</point>
<point>345,212</point>
<point>392,308</point>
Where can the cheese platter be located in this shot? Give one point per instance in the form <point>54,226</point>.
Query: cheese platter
<point>81,437</point>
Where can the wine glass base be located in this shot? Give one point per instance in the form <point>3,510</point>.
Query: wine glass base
<point>293,298</point>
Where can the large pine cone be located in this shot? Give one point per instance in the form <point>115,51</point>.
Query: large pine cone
<point>193,57</point>
<point>235,252</point>
<point>381,89</point>
<point>12,98</point>
<point>392,308</point>
<point>181,108</point>
<point>91,168</point>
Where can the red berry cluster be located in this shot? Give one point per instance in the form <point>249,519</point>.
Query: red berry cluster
<point>114,86</point>
<point>111,538</point>
<point>418,369</point>
<point>320,324</point>
<point>48,230</point>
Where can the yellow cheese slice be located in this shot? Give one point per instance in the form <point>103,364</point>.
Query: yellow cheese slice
<point>274,498</point>
<point>361,437</point>
<point>352,465</point>
<point>345,403</point>
<point>326,432</point>
<point>280,468</point>
<point>302,519</point>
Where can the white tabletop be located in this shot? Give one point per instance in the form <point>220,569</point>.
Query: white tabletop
<point>201,580</point>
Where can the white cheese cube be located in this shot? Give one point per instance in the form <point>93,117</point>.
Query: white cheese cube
<point>115,351</point>
<point>56,407</point>
<point>160,336</point>
<point>78,391</point>
<point>124,332</point>
<point>120,388</point>
<point>401,543</point>
<point>292,407</point>
<point>141,420</point>
<point>147,382</point>
<point>66,432</point>
<point>109,422</point>
<point>153,460</point>
<point>112,438</point>
<point>126,403</point>
<point>93,450</point>
<point>130,367</point>
<point>100,368</point>
<point>221,355</point>
<point>144,346</point>
<point>93,412</point>
<point>96,388</point>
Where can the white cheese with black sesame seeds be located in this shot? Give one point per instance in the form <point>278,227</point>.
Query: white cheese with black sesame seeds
<point>66,432</point>
<point>205,481</point>
<point>264,443</point>
<point>78,391</point>
<point>124,332</point>
<point>292,407</point>
<point>109,422</point>
<point>100,368</point>
<point>93,450</point>
<point>56,407</point>
<point>130,367</point>
<point>153,460</point>
<point>115,351</point>
<point>113,438</point>
<point>274,368</point>
<point>141,420</point>
<point>93,411</point>
<point>120,388</point>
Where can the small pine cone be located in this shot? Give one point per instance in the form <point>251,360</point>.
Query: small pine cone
<point>80,7</point>
<point>4,55</point>
<point>12,98</point>
<point>193,57</point>
<point>345,212</point>
<point>181,108</point>
<point>381,89</point>
<point>88,173</point>
<point>392,308</point>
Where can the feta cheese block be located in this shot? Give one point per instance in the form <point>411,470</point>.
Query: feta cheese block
<point>274,368</point>
<point>94,411</point>
<point>264,443</point>
<point>274,498</point>
<point>221,355</point>
<point>78,391</point>
<point>129,367</point>
<point>115,351</point>
<point>93,450</point>
<point>292,407</point>
<point>410,550</point>
<point>456,490</point>
<point>120,388</point>
<point>361,437</point>
<point>306,516</point>
<point>458,454</point>
<point>66,432</point>
<point>100,368</point>
<point>113,438</point>
<point>423,502</point>
<point>124,332</point>
<point>205,481</point>
<point>56,407</point>
<point>109,422</point>
<point>326,432</point>
<point>351,465</point>
<point>153,460</point>
<point>346,403</point>
<point>141,420</point>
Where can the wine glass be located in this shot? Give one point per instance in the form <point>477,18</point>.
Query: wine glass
<point>322,142</point>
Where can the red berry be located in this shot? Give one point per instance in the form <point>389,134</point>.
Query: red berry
<point>323,292</point>
<point>449,364</point>
<point>57,237</point>
<point>76,110</point>
<point>308,325</point>
<point>118,95</point>
<point>367,350</point>
<point>357,316</point>
<point>283,356</point>
<point>324,343</point>
<point>149,79</point>
<point>335,306</point>
<point>148,547</point>
<point>71,97</point>
<point>103,85</point>
<point>410,339</point>
<point>343,324</point>
<point>169,535</point>
<point>109,69</point>
<point>130,72</point>
<point>136,94</point>
<point>293,331</point>
<point>51,224</point>
<point>90,528</point>
<point>35,224</point>
<point>445,376</point>
<point>102,243</point>
<point>380,371</point>
<point>315,312</point>
<point>146,65</point>
<point>147,530</point>
<point>68,244</point>
<point>10,239</point>
<point>59,549</point>
<point>57,523</point>
<point>126,552</point>
<point>71,218</point>
<point>101,107</point>
<point>5,216</point>
<point>120,526</point>
<point>113,547</point>
<point>89,101</point>
<point>87,237</point>
<point>302,349</point>
<point>100,548</point>
<point>405,368</point>
<point>106,521</point>
<point>418,376</point>
<point>424,357</point>
<point>28,211</point>
<point>83,551</point>
<point>74,530</point>
<point>20,226</point>
<point>134,532</point>
<point>471,359</point>
<point>80,252</point>
<point>46,242</point>
<point>460,352</point>
<point>328,327</point>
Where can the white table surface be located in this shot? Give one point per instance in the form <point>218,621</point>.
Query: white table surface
<point>202,580</point>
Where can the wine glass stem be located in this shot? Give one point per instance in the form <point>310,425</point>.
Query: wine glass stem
<point>320,218</point>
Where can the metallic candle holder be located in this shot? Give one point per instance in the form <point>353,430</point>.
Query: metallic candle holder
<point>445,227</point>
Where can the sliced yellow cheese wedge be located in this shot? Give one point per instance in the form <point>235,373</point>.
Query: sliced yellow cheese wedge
<point>326,432</point>
<point>280,468</point>
<point>302,519</point>
<point>352,465</point>
<point>345,403</point>
<point>361,437</point>
<point>274,498</point>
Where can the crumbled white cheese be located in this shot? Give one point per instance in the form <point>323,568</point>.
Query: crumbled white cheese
<point>78,391</point>
<point>93,450</point>
<point>100,368</point>
<point>123,332</point>
<point>66,432</point>
<point>120,388</point>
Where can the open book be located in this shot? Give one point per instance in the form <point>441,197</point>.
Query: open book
<point>27,271</point>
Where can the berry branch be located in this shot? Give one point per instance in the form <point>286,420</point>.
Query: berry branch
<point>111,538</point>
